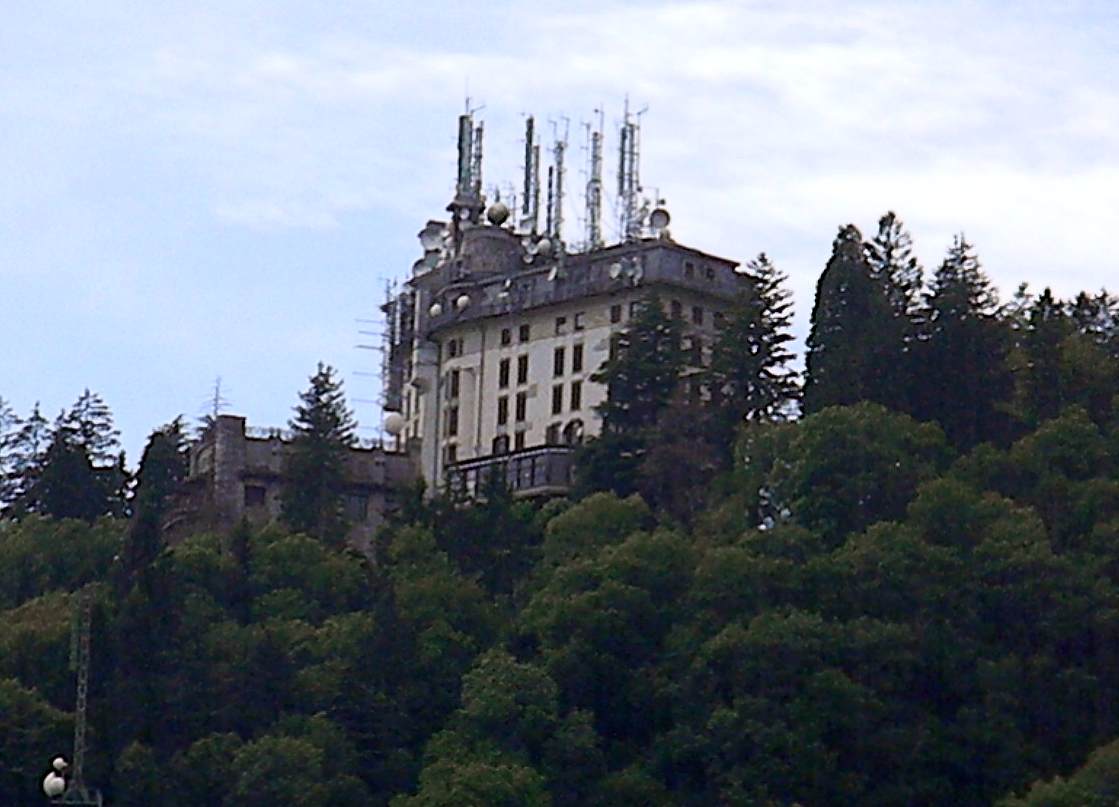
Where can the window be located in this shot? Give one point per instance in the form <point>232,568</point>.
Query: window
<point>522,405</point>
<point>552,435</point>
<point>450,454</point>
<point>689,269</point>
<point>697,315</point>
<point>503,374</point>
<point>573,432</point>
<point>522,369</point>
<point>677,310</point>
<point>634,308</point>
<point>576,395</point>
<point>454,384</point>
<point>577,359</point>
<point>255,496</point>
<point>709,272</point>
<point>523,333</point>
<point>506,336</point>
<point>557,399</point>
<point>502,410</point>
<point>578,323</point>
<point>518,441</point>
<point>557,362</point>
<point>561,325</point>
<point>693,350</point>
<point>454,348</point>
<point>616,313</point>
<point>451,428</point>
<point>501,444</point>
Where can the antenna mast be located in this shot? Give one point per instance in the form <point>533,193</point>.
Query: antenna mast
<point>530,204</point>
<point>629,177</point>
<point>76,790</point>
<point>594,188</point>
<point>557,217</point>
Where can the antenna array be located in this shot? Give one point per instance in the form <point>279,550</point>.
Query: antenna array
<point>594,187</point>
<point>629,176</point>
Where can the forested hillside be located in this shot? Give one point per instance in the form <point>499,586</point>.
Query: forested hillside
<point>902,589</point>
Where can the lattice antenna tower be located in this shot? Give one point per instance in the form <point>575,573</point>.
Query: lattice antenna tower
<point>594,186</point>
<point>629,175</point>
<point>76,790</point>
<point>391,339</point>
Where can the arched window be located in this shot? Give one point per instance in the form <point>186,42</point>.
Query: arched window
<point>501,444</point>
<point>573,433</point>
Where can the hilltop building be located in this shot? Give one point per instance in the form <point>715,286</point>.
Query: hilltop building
<point>492,341</point>
<point>235,473</point>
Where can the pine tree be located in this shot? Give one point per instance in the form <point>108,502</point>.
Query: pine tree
<point>68,486</point>
<point>91,423</point>
<point>9,429</point>
<point>27,455</point>
<point>1046,331</point>
<point>644,371</point>
<point>315,475</point>
<point>964,345</point>
<point>851,343</point>
<point>163,466</point>
<point>641,377</point>
<point>749,375</point>
<point>893,264</point>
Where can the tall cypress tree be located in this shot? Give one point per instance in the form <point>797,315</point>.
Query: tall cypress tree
<point>966,381</point>
<point>749,377</point>
<point>323,426</point>
<point>850,344</point>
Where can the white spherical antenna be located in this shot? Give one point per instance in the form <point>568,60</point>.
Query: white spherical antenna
<point>435,310</point>
<point>60,764</point>
<point>394,423</point>
<point>498,213</point>
<point>431,236</point>
<point>659,219</point>
<point>53,785</point>
<point>544,246</point>
<point>615,270</point>
<point>462,302</point>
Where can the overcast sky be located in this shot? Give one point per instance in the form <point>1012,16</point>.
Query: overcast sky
<point>203,189</point>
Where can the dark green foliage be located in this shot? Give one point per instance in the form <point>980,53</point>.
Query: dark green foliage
<point>965,382</point>
<point>852,343</point>
<point>749,376</point>
<point>315,476</point>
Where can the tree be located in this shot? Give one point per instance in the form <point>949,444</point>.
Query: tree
<point>749,375</point>
<point>91,423</point>
<point>965,380</point>
<point>9,429</point>
<point>851,345</point>
<point>27,453</point>
<point>315,473</point>
<point>163,466</point>
<point>893,264</point>
<point>641,376</point>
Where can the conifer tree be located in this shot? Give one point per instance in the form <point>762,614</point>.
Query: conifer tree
<point>964,345</point>
<point>849,344</point>
<point>90,423</point>
<point>644,371</point>
<point>1046,331</point>
<point>641,377</point>
<point>750,379</point>
<point>893,264</point>
<point>9,429</point>
<point>27,455</point>
<point>68,486</point>
<point>163,466</point>
<point>323,430</point>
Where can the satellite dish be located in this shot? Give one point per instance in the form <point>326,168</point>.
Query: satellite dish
<point>498,213</point>
<point>544,246</point>
<point>462,302</point>
<point>53,785</point>
<point>659,219</point>
<point>435,310</point>
<point>394,423</point>
<point>615,270</point>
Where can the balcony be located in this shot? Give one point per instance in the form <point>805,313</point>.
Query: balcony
<point>539,471</point>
